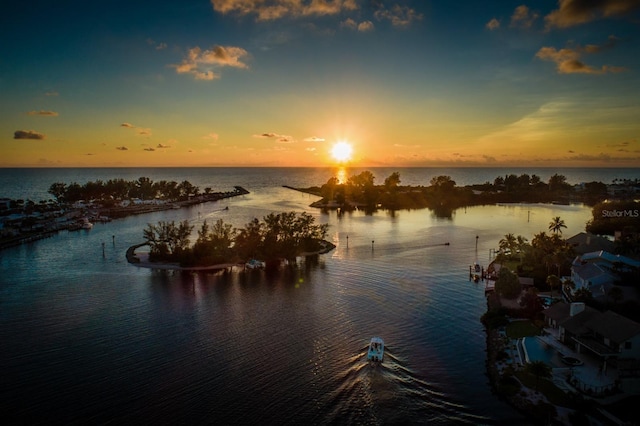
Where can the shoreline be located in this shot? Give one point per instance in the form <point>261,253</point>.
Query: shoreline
<point>142,260</point>
<point>106,214</point>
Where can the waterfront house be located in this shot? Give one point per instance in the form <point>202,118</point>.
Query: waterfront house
<point>598,271</point>
<point>607,336</point>
<point>585,242</point>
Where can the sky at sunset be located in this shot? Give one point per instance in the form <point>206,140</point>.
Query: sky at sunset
<point>282,82</point>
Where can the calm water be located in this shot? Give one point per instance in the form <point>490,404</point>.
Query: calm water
<point>86,337</point>
<point>33,184</point>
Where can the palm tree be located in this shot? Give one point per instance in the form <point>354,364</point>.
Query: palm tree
<point>521,244</point>
<point>553,281</point>
<point>556,225</point>
<point>507,243</point>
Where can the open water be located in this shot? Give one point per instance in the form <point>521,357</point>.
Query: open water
<point>86,337</point>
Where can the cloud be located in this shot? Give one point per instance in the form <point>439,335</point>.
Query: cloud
<point>201,63</point>
<point>276,136</point>
<point>576,12</point>
<point>28,134</point>
<point>122,148</point>
<point>314,139</point>
<point>493,24</point>
<point>213,136</point>
<point>523,17</point>
<point>568,60</point>
<point>400,16</point>
<point>43,113</point>
<point>269,10</point>
<point>139,130</point>
<point>157,46</point>
<point>365,26</point>
<point>349,23</point>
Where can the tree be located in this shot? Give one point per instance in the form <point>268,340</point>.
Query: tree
<point>508,243</point>
<point>213,244</point>
<point>508,284</point>
<point>556,225</point>
<point>530,302</point>
<point>392,181</point>
<point>58,190</point>
<point>167,240</point>
<point>248,241</point>
<point>558,183</point>
<point>522,245</point>
<point>539,370</point>
<point>442,184</point>
<point>553,281</point>
<point>328,189</point>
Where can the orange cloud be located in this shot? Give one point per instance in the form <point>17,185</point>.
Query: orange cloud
<point>268,10</point>
<point>43,113</point>
<point>568,60</point>
<point>523,17</point>
<point>576,12</point>
<point>493,24</point>
<point>199,63</point>
<point>400,16</point>
<point>28,134</point>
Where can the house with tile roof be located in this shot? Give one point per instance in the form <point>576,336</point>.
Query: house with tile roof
<point>585,242</point>
<point>604,335</point>
<point>598,271</point>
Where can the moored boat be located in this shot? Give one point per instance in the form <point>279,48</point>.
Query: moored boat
<point>376,349</point>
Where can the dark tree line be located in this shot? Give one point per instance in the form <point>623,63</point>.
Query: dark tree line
<point>120,189</point>
<point>443,196</point>
<point>277,236</point>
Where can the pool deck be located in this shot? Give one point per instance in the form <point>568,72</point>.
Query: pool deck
<point>590,373</point>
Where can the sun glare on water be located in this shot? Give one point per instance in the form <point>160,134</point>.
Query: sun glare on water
<point>341,151</point>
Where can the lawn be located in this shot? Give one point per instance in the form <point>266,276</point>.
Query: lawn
<point>519,329</point>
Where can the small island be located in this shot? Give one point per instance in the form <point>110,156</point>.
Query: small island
<point>276,238</point>
<point>443,196</point>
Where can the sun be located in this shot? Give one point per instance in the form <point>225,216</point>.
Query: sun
<point>341,151</point>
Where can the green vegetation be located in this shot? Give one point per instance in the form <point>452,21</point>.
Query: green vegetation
<point>276,237</point>
<point>507,284</point>
<point>519,329</point>
<point>622,215</point>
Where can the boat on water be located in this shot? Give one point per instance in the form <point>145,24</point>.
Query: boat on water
<point>475,272</point>
<point>255,264</point>
<point>376,350</point>
<point>86,224</point>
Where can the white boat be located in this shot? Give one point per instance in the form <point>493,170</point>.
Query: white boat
<point>475,271</point>
<point>255,264</point>
<point>86,224</point>
<point>376,349</point>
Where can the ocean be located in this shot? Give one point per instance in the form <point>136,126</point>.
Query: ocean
<point>88,338</point>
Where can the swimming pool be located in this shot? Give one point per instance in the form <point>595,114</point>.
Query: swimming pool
<point>537,350</point>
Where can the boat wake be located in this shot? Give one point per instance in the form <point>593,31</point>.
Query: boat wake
<point>390,392</point>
